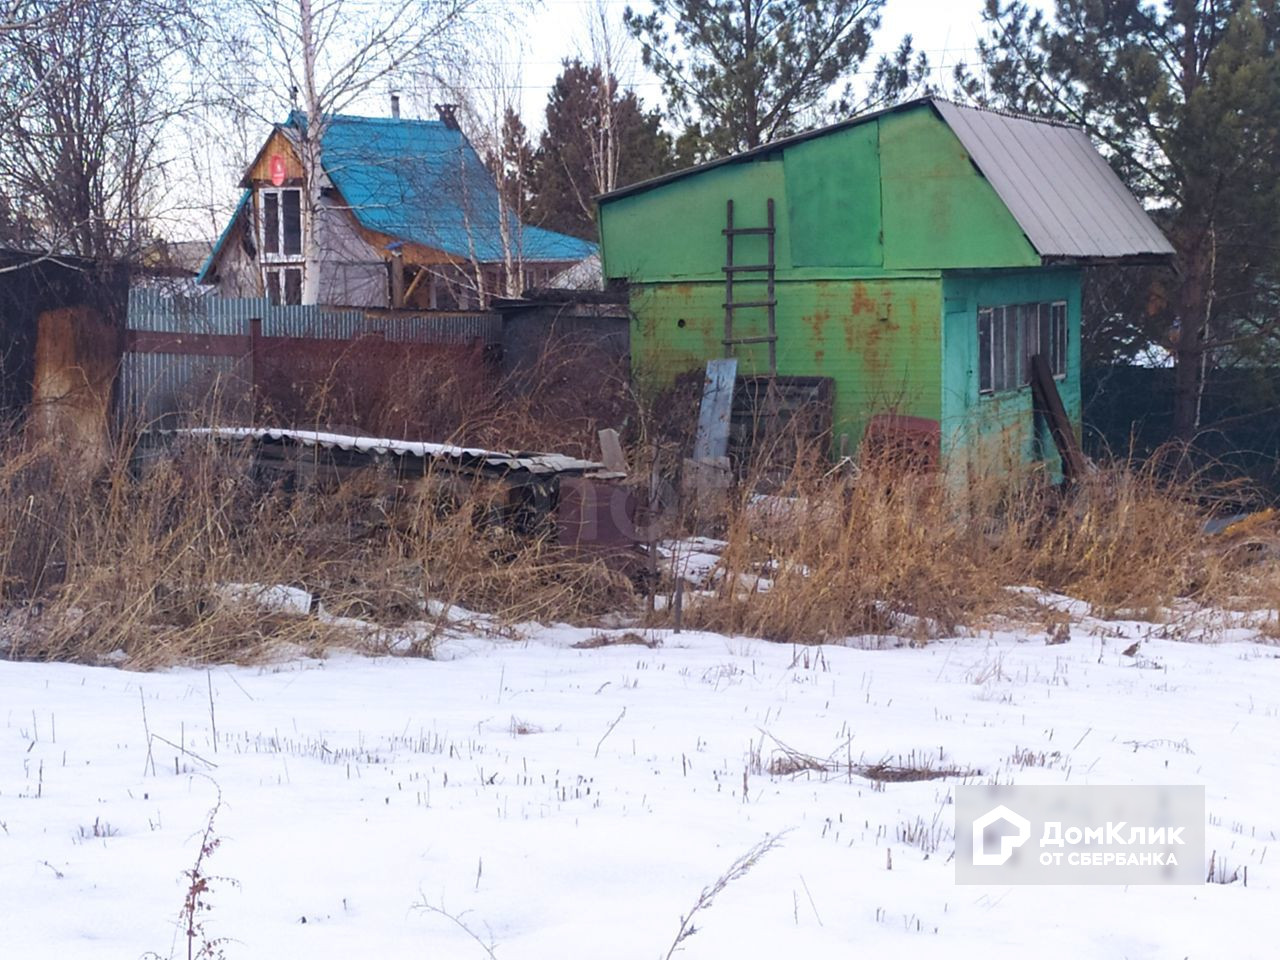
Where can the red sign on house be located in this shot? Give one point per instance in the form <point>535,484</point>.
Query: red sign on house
<point>276,166</point>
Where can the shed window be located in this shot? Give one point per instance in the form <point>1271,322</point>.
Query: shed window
<point>1010,335</point>
<point>282,223</point>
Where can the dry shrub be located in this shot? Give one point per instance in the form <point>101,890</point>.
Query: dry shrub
<point>513,573</point>
<point>1124,539</point>
<point>882,548</point>
<point>162,558</point>
<point>850,554</point>
<point>555,402</point>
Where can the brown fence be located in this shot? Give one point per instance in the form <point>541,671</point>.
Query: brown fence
<point>250,361</point>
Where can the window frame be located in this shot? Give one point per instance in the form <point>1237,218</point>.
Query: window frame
<point>1010,334</point>
<point>282,284</point>
<point>274,244</point>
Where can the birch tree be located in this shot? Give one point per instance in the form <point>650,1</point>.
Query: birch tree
<point>87,93</point>
<point>484,91</point>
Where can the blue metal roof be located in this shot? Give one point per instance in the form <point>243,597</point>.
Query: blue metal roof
<point>203,275</point>
<point>422,182</point>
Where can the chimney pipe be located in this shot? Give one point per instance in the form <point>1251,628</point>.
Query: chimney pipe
<point>448,115</point>
<point>395,106</point>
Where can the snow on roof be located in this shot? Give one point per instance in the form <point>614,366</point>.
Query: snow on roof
<point>378,446</point>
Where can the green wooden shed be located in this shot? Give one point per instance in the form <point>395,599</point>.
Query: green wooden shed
<point>915,258</point>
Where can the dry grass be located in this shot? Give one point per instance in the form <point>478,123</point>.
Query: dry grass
<point>876,549</point>
<point>146,565</point>
<point>137,564</point>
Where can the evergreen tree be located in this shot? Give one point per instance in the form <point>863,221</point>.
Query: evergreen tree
<point>512,164</point>
<point>598,138</point>
<point>743,72</point>
<point>1185,97</point>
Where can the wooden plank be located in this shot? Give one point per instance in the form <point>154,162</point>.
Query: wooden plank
<point>771,297</point>
<point>611,454</point>
<point>712,441</point>
<point>1048,403</point>
<point>728,280</point>
<point>397,280</point>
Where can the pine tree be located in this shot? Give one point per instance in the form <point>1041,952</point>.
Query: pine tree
<point>1185,97</point>
<point>598,138</point>
<point>744,72</point>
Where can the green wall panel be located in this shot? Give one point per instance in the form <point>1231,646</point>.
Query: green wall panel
<point>984,433</point>
<point>833,196</point>
<point>894,194</point>
<point>674,232</point>
<point>870,220</point>
<point>880,341</point>
<point>938,210</point>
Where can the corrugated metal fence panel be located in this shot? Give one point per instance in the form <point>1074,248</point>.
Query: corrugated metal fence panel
<point>163,311</point>
<point>318,324</point>
<point>311,323</point>
<point>439,328</point>
<point>161,389</point>
<point>233,316</point>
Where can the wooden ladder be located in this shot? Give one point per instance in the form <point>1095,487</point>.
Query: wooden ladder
<point>731,270</point>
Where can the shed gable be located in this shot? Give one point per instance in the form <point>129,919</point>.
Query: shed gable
<point>939,211</point>
<point>897,192</point>
<point>927,185</point>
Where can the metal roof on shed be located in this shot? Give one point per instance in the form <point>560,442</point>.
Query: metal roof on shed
<point>1066,198</point>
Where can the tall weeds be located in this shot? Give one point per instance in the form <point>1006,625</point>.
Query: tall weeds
<point>878,548</point>
<point>177,553</point>
<point>170,557</point>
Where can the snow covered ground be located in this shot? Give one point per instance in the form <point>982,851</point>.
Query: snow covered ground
<point>565,803</point>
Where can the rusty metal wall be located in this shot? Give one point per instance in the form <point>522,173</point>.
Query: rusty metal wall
<point>192,351</point>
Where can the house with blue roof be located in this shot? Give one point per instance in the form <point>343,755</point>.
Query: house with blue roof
<point>408,217</point>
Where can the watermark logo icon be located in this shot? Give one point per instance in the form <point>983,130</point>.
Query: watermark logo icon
<point>1079,834</point>
<point>1008,843</point>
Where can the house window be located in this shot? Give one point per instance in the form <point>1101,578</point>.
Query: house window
<point>281,223</point>
<point>284,285</point>
<point>1009,336</point>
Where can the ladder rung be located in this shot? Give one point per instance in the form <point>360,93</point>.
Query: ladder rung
<point>739,231</point>
<point>753,267</point>
<point>749,303</point>
<point>772,339</point>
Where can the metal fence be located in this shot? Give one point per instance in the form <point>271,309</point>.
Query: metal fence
<point>187,351</point>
